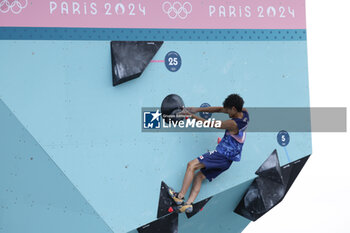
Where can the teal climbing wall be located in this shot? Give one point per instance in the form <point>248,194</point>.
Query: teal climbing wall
<point>36,196</point>
<point>85,137</point>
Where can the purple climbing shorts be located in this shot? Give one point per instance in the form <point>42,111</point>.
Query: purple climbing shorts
<point>215,163</point>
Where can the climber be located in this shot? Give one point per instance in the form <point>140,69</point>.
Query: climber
<point>213,163</point>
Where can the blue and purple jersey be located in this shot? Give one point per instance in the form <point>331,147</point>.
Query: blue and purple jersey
<point>231,144</point>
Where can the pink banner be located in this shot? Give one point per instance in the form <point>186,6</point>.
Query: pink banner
<point>198,14</point>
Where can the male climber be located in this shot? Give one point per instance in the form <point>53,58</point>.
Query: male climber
<point>213,163</point>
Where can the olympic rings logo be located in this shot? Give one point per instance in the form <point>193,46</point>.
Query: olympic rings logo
<point>177,9</point>
<point>15,6</point>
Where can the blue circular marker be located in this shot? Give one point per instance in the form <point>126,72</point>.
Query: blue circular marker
<point>283,138</point>
<point>205,115</point>
<point>172,61</point>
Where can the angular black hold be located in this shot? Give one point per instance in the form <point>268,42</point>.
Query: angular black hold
<point>166,224</point>
<point>267,190</point>
<point>198,207</point>
<point>130,58</point>
<point>252,202</point>
<point>165,201</point>
<point>262,195</point>
<point>291,170</point>
<point>271,192</point>
<point>271,168</point>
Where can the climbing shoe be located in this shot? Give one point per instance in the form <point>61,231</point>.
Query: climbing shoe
<point>174,196</point>
<point>187,208</point>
